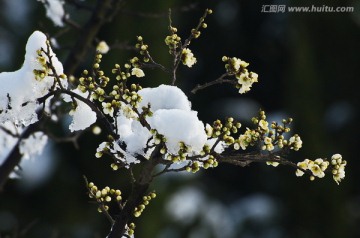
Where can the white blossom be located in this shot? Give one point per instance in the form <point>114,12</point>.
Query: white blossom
<point>264,125</point>
<point>338,167</point>
<point>102,47</point>
<point>137,72</point>
<point>187,57</point>
<point>108,109</point>
<point>295,142</point>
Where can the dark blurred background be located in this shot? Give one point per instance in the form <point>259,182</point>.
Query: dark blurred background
<point>308,66</point>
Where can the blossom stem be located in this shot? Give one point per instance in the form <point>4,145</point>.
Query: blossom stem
<point>219,80</point>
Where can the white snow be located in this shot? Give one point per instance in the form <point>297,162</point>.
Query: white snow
<point>172,117</point>
<point>54,11</point>
<point>33,145</point>
<point>179,126</point>
<point>219,148</point>
<point>133,134</point>
<point>83,116</point>
<point>20,89</point>
<point>164,97</point>
<point>30,147</point>
<point>7,142</point>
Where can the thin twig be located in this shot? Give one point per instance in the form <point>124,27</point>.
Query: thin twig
<point>14,157</point>
<point>9,132</point>
<point>24,231</point>
<point>246,159</point>
<point>123,46</point>
<point>187,8</point>
<point>100,203</point>
<point>178,53</point>
<point>80,5</point>
<point>72,139</point>
<point>103,12</point>
<point>219,80</point>
<point>100,115</point>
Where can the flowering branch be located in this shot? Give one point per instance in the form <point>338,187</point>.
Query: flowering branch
<point>178,49</point>
<point>146,127</point>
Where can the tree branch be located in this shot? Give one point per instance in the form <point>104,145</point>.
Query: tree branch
<point>219,80</point>
<point>257,157</point>
<point>14,157</point>
<point>103,12</point>
<point>140,186</point>
<point>100,116</point>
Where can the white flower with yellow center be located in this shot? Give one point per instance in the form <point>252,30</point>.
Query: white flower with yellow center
<point>254,77</point>
<point>102,47</point>
<point>187,57</point>
<point>108,109</point>
<point>264,125</point>
<point>137,72</point>
<point>244,88</point>
<point>316,170</point>
<point>295,142</point>
<point>299,173</point>
<point>243,141</point>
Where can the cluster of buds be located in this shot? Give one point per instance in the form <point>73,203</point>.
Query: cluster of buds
<point>130,229</point>
<point>158,139</point>
<point>181,155</point>
<point>238,68</point>
<point>94,82</point>
<point>145,201</point>
<point>193,167</point>
<point>103,196</point>
<point>98,73</point>
<point>173,40</point>
<point>132,68</point>
<point>224,131</point>
<point>121,75</point>
<point>195,32</point>
<point>250,137</point>
<point>272,136</point>
<point>338,167</point>
<point>131,97</point>
<point>143,49</point>
<point>207,162</point>
<point>211,162</point>
<point>44,59</point>
<point>122,96</point>
<point>44,71</point>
